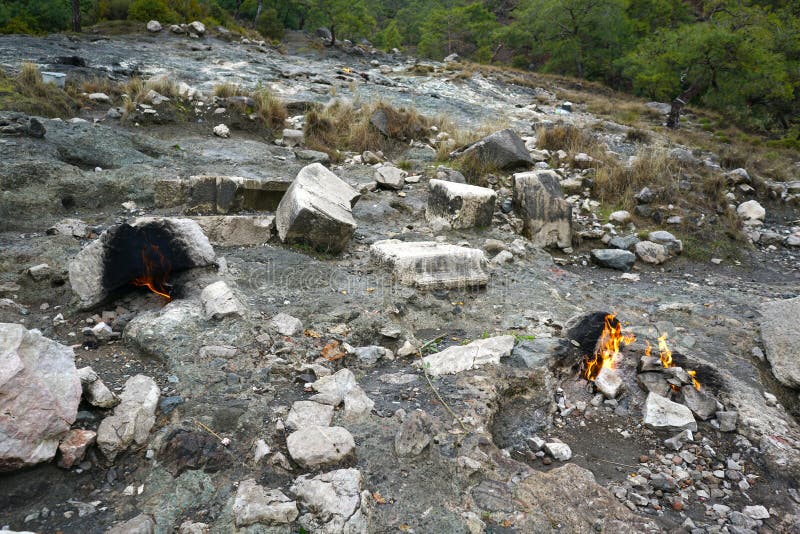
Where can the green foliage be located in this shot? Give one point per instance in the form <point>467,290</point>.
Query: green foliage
<point>465,30</point>
<point>390,37</point>
<point>268,25</point>
<point>144,10</point>
<point>346,19</point>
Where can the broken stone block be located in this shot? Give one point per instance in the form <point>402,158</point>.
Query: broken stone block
<point>333,389</point>
<point>727,421</point>
<point>69,227</point>
<point>621,260</point>
<point>608,382</point>
<point>95,391</point>
<point>39,395</point>
<point>219,301</point>
<point>390,177</point>
<point>546,215</point>
<point>661,413</point>
<point>305,413</point>
<point>237,230</point>
<point>503,150</point>
<point>170,192</point>
<point>780,321</point>
<point>254,504</point>
<point>132,418</point>
<point>559,451</point>
<point>461,205</point>
<point>650,252</point>
<point>315,446</point>
<point>699,402</point>
<point>317,210</point>
<point>73,446</point>
<point>292,138</point>
<point>654,382</point>
<point>115,259</point>
<point>334,500</point>
<point>464,357</point>
<point>431,265</point>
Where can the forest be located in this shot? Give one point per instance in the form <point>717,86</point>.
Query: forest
<point>738,57</point>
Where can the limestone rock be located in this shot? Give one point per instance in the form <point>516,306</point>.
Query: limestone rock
<point>333,389</point>
<point>132,418</point>
<point>220,130</point>
<point>114,259</point>
<point>254,504</point>
<point>154,26</point>
<point>461,205</point>
<point>315,446</point>
<point>95,391</point>
<point>357,405</point>
<point>751,212</point>
<point>449,175</point>
<point>621,260</point>
<point>546,215</point>
<point>39,395</point>
<point>317,210</point>
<point>292,138</point>
<point>69,227</point>
<point>140,524</point>
<point>650,252</point>
<point>73,446</point>
<point>670,242</point>
<point>431,265</point>
<point>608,382</point>
<point>700,403</point>
<point>620,216</point>
<point>390,177</point>
<point>286,325</point>
<point>559,451</point>
<point>219,301</point>
<point>661,413</point>
<point>780,322</point>
<point>197,27</point>
<point>465,357</point>
<point>237,230</point>
<point>413,435</point>
<point>305,413</point>
<point>503,149</point>
<point>334,500</point>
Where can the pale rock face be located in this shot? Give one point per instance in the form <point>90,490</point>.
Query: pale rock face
<point>779,326</point>
<point>286,325</point>
<point>316,446</point>
<point>219,301</point>
<point>465,357</point>
<point>39,395</point>
<point>661,413</point>
<point>546,215</point>
<point>650,252</point>
<point>334,496</point>
<point>306,413</point>
<point>132,418</point>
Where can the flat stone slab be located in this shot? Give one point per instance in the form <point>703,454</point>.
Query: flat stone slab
<point>220,194</point>
<point>431,265</point>
<point>465,357</point>
<point>237,230</point>
<point>461,205</point>
<point>780,324</point>
<point>661,413</point>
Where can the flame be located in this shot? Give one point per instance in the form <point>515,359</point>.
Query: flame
<point>157,269</point>
<point>608,348</point>
<point>666,360</point>
<point>648,350</point>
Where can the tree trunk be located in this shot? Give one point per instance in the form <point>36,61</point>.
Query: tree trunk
<point>674,117</point>
<point>333,35</point>
<point>258,11</point>
<point>76,16</point>
<point>236,11</point>
<point>496,53</point>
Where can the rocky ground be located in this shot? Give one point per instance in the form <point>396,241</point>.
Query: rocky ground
<point>284,388</point>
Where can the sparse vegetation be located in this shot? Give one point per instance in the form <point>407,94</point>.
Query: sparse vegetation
<point>269,109</point>
<point>27,92</point>
<point>229,89</point>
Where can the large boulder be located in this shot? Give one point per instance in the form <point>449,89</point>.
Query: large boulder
<point>503,150</point>
<point>430,265</point>
<point>151,246</point>
<point>460,205</point>
<point>650,252</point>
<point>39,395</point>
<point>780,323</point>
<point>465,357</point>
<point>132,418</point>
<point>317,210</point>
<point>546,215</point>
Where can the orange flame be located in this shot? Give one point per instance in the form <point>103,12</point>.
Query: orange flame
<point>608,348</point>
<point>157,269</point>
<point>666,360</point>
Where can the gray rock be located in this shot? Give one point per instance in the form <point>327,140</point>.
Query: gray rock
<point>413,435</point>
<point>292,138</point>
<point>623,243</point>
<point>357,405</point>
<point>677,441</point>
<point>254,504</point>
<point>460,358</point>
<point>621,260</point>
<point>460,205</point>
<point>334,500</point>
<point>317,210</point>
<point>370,355</point>
<point>219,301</point>
<point>306,413</point>
<point>756,512</point>
<point>780,322</point>
<point>650,252</point>
<point>312,156</point>
<point>663,482</point>
<point>727,421</point>
<point>449,175</point>
<point>541,352</point>
<point>69,227</point>
<point>645,196</point>
<point>141,524</point>
<point>700,402</point>
<point>608,382</point>
<point>154,26</point>
<point>286,325</point>
<point>334,388</point>
<point>546,215</point>
<point>237,230</point>
<point>390,177</point>
<point>654,382</point>
<point>670,242</point>
<point>317,446</point>
<point>431,265</point>
<point>503,150</point>
<point>662,413</point>
<point>184,243</point>
<point>95,391</point>
<point>197,27</point>
<point>39,395</point>
<point>751,212</point>
<point>559,451</point>
<point>132,418</point>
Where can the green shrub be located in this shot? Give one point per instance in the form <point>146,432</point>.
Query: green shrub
<point>145,10</point>
<point>269,26</point>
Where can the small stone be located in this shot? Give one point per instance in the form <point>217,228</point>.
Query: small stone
<point>318,447</point>
<point>559,451</point>
<point>756,512</point>
<point>286,325</point>
<point>608,382</point>
<point>223,131</point>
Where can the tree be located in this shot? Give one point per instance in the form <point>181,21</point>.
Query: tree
<point>347,17</point>
<point>76,15</point>
<point>465,30</point>
<point>390,37</point>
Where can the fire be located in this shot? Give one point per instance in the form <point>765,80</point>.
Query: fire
<point>666,360</point>
<point>608,348</point>
<point>157,268</point>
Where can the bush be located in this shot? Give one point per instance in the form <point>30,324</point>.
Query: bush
<point>269,26</point>
<point>145,10</point>
<point>115,9</point>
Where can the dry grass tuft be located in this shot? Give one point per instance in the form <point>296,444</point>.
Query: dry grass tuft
<point>27,92</point>
<point>269,109</point>
<point>228,89</point>
<point>617,184</point>
<point>162,85</point>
